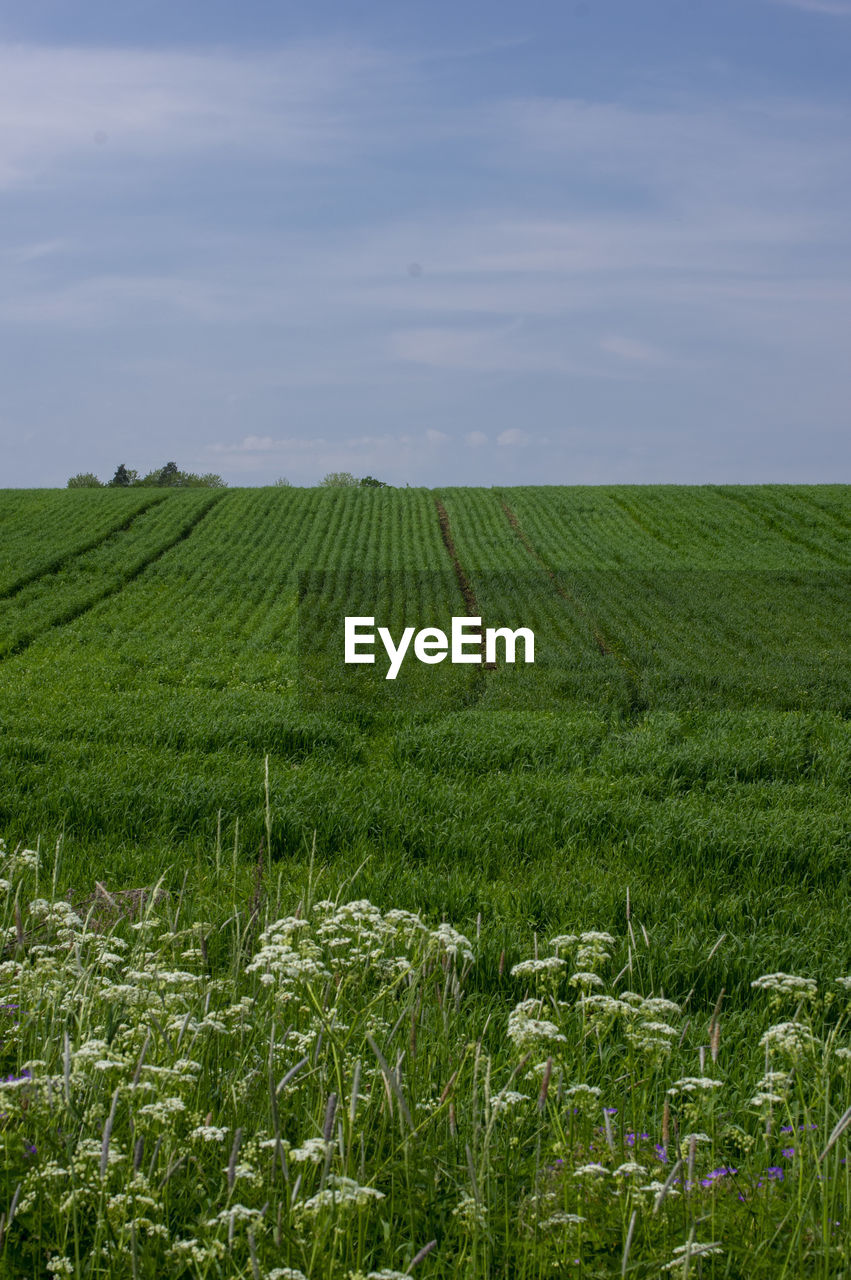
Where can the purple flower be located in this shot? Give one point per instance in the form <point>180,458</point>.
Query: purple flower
<point>661,1153</point>
<point>788,1153</point>
<point>775,1173</point>
<point>610,1111</point>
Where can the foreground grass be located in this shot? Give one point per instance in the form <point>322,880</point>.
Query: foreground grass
<point>204,1083</point>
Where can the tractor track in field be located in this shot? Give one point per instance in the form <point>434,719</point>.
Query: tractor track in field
<point>778,526</point>
<point>76,611</point>
<point>607,647</point>
<point>65,558</point>
<point>471,604</point>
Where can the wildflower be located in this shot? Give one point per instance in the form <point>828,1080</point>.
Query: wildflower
<point>594,1169</point>
<point>792,1038</point>
<point>507,1098</point>
<point>581,1092</point>
<point>764,1098</point>
<point>312,1151</point>
<point>163,1109</point>
<point>286,1273</point>
<point>547,964</point>
<point>628,1170</point>
<point>339,1192</point>
<point>523,1030</point>
<point>658,1006</point>
<point>685,1252</point>
<point>470,1212</point>
<point>236,1213</point>
<point>452,942</point>
<point>787,984</point>
<point>691,1084</point>
<point>564,940</point>
<point>788,1153</point>
<point>603,1005</point>
<point>60,1266</point>
<point>201,1254</point>
<point>586,980</point>
<point>716,1174</point>
<point>561,1219</point>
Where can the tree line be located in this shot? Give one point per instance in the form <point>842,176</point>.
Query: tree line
<point>171,476</point>
<point>168,476</point>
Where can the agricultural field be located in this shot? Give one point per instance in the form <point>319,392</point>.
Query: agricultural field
<point>488,971</point>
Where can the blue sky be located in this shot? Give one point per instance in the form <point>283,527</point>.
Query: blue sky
<point>565,242</point>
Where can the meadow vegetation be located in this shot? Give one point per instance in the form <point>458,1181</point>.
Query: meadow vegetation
<point>522,972</point>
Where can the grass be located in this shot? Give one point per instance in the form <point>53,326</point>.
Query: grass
<point>240,1079</point>
<point>674,773</point>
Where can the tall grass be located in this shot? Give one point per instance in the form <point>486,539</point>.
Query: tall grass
<point>205,1081</point>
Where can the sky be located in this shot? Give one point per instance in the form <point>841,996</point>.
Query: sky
<point>568,242</point>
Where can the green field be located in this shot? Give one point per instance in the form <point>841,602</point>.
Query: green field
<point>673,771</point>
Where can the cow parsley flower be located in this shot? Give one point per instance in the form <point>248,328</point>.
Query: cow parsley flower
<point>523,1030</point>
<point>693,1084</point>
<point>787,984</point>
<point>545,965</point>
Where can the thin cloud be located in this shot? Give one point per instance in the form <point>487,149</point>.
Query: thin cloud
<point>633,350</point>
<point>513,437</point>
<point>836,8</point>
<point>104,107</point>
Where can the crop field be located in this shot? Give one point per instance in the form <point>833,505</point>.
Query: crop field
<point>491,970</point>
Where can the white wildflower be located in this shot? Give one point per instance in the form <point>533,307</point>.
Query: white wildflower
<point>523,1030</point>
<point>164,1109</point>
<point>546,964</point>
<point>787,984</point>
<point>693,1084</point>
<point>594,1169</point>
<point>586,979</point>
<point>312,1151</point>
<point>507,1098</point>
<point>339,1192</point>
<point>685,1252</point>
<point>452,942</point>
<point>60,1266</point>
<point>788,1037</point>
<point>578,1090</point>
<point>560,1219</point>
<point>210,1133</point>
<point>470,1212</point>
<point>657,1006</point>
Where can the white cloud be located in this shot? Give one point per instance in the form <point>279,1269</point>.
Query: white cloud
<point>837,8</point>
<point>513,437</point>
<point>106,106</point>
<point>436,437</point>
<point>476,439</point>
